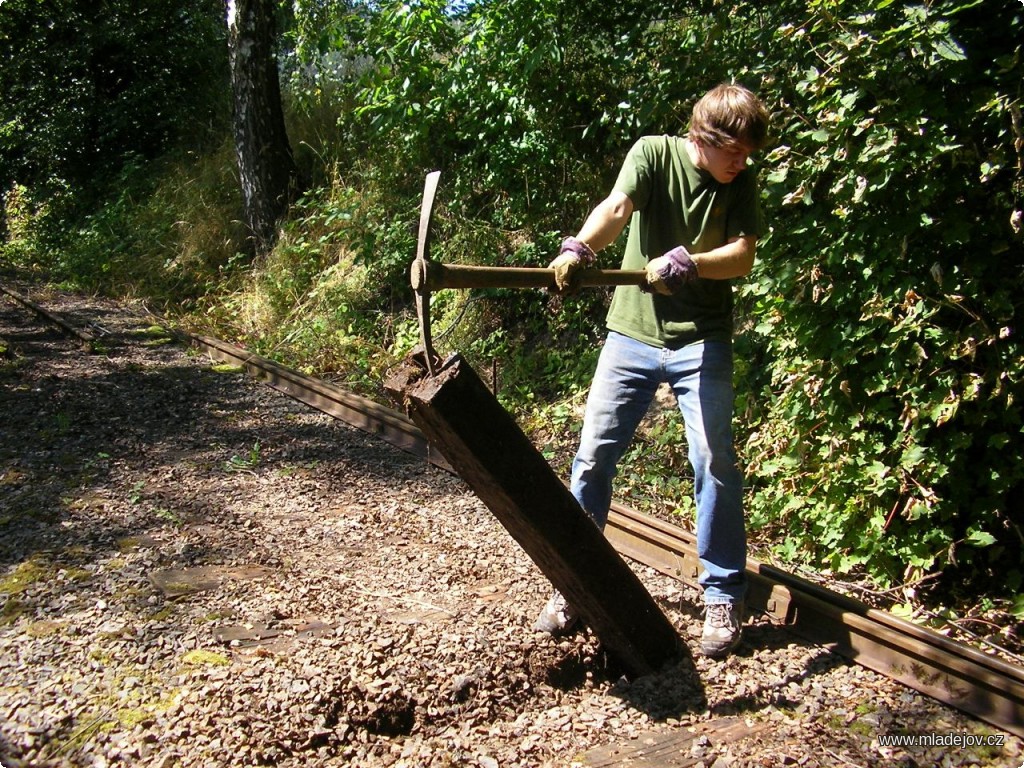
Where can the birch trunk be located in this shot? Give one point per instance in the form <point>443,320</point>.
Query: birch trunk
<point>265,165</point>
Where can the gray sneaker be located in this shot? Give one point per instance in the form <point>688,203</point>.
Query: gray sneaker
<point>558,617</point>
<point>722,628</point>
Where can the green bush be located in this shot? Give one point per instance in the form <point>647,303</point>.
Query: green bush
<point>889,421</point>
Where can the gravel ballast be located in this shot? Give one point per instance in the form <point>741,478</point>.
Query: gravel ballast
<point>196,570</point>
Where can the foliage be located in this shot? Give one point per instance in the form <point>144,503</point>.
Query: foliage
<point>86,91</point>
<point>504,97</point>
<point>887,435</point>
<point>171,232</point>
<point>879,388</point>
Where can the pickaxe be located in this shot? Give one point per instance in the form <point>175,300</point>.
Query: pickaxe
<point>427,275</point>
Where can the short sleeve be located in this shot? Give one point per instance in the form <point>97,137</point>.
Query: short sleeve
<point>634,178</point>
<point>745,218</point>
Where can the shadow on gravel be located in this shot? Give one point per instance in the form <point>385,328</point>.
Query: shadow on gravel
<point>572,664</point>
<point>764,694</point>
<point>676,691</point>
<point>6,758</point>
<point>98,450</point>
<point>761,640</point>
<point>672,693</point>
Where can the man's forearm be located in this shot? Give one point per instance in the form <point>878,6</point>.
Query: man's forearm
<point>734,259</point>
<point>606,221</point>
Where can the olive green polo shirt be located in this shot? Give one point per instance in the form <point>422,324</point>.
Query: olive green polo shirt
<point>676,203</point>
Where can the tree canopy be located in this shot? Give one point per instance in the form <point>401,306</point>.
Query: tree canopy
<point>86,87</point>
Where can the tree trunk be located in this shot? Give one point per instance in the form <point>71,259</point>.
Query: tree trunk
<point>265,164</point>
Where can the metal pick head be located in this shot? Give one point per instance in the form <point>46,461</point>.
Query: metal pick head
<point>418,274</point>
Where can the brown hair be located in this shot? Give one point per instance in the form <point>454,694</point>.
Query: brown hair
<point>729,113</point>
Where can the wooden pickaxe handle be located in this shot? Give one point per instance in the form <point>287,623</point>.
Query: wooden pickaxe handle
<point>427,275</point>
<point>432,276</point>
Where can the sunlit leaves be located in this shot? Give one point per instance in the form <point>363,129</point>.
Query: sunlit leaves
<point>884,294</point>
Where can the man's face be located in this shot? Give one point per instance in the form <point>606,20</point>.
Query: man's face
<point>724,163</point>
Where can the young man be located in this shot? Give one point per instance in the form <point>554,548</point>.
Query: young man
<point>694,214</point>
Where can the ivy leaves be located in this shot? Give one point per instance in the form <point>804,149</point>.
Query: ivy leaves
<point>890,376</point>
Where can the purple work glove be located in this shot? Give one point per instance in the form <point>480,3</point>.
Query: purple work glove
<point>667,274</point>
<point>575,254</point>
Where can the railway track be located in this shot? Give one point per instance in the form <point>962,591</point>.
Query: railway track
<point>951,672</point>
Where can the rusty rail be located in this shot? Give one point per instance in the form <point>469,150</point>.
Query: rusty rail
<point>951,672</point>
<point>85,337</point>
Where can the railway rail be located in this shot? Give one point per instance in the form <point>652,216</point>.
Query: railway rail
<point>951,672</point>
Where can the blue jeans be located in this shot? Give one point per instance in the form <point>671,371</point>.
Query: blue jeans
<point>628,374</point>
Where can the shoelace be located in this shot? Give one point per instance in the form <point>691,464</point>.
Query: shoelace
<point>719,615</point>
